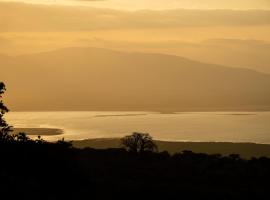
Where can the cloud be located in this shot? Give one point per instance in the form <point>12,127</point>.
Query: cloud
<point>25,17</point>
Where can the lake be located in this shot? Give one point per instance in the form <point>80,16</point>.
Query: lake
<point>181,126</point>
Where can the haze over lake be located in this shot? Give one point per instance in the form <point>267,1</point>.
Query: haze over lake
<point>182,126</point>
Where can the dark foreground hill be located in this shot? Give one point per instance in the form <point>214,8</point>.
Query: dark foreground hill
<point>38,170</point>
<point>102,79</point>
<point>246,150</point>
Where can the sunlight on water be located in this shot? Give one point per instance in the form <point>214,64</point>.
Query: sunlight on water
<point>188,126</point>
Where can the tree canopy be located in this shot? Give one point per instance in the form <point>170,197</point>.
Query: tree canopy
<point>5,129</point>
<point>139,142</point>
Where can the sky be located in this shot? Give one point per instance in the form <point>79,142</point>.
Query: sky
<point>160,4</point>
<point>231,32</point>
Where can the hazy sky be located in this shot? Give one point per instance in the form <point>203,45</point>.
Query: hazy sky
<point>231,32</point>
<point>162,4</point>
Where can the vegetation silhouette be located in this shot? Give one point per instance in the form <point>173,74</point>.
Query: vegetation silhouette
<point>36,169</point>
<point>138,143</point>
<point>5,129</point>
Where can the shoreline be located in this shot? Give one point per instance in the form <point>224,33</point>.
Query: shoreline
<point>58,131</point>
<point>244,149</point>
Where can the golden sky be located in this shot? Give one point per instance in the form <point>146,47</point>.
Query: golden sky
<point>160,4</point>
<point>232,32</point>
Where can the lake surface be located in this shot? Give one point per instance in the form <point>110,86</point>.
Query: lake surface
<point>182,126</point>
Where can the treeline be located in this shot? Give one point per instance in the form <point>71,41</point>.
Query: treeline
<point>42,170</point>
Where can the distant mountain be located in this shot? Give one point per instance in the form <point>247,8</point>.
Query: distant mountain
<point>102,79</point>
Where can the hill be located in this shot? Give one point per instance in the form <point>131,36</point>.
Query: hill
<point>246,150</point>
<point>102,79</point>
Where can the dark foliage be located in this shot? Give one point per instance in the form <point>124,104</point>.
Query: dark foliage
<point>40,170</point>
<point>138,143</point>
<point>5,129</point>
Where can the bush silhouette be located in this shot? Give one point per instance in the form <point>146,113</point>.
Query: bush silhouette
<point>64,143</point>
<point>138,143</point>
<point>5,129</point>
<point>22,137</point>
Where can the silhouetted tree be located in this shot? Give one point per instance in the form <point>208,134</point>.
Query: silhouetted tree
<point>5,129</point>
<point>138,142</point>
<point>39,140</point>
<point>64,143</point>
<point>22,137</point>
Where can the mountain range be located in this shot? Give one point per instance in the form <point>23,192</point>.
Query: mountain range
<point>87,78</point>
